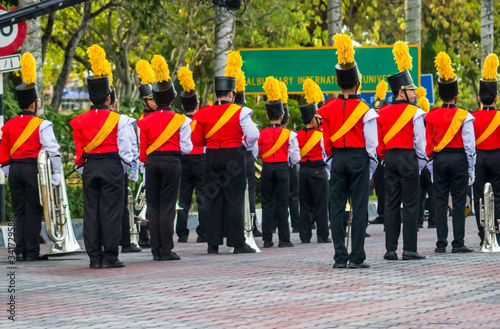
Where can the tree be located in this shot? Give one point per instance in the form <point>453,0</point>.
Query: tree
<point>224,38</point>
<point>334,19</point>
<point>487,14</point>
<point>413,16</point>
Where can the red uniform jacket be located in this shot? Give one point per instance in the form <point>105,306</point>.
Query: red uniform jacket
<point>438,121</point>
<point>316,153</point>
<point>267,138</point>
<point>196,149</point>
<point>228,136</point>
<point>11,132</point>
<point>483,119</point>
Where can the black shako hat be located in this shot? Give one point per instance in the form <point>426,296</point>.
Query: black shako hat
<point>189,100</point>
<point>239,98</point>
<point>308,112</point>
<point>347,74</point>
<point>164,92</point>
<point>98,86</point>
<point>225,83</point>
<point>145,91</point>
<point>401,81</point>
<point>286,114</point>
<point>448,88</point>
<point>26,94</point>
<point>274,109</point>
<point>488,91</point>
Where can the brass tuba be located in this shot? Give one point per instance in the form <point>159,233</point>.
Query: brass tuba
<point>54,201</point>
<point>140,206</point>
<point>135,228</point>
<point>258,171</point>
<point>487,219</point>
<point>249,239</point>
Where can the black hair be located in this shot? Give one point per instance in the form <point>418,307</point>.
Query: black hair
<point>98,100</point>
<point>347,85</point>
<point>447,98</point>
<point>222,93</point>
<point>487,101</point>
<point>23,105</point>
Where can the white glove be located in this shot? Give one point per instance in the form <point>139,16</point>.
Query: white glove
<point>327,173</point>
<point>6,170</point>
<point>373,166</point>
<point>56,179</point>
<point>79,169</point>
<point>134,172</point>
<point>472,177</point>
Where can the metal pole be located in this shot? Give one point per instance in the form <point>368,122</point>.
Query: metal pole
<point>2,175</point>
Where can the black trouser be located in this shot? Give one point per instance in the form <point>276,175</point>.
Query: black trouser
<point>426,187</point>
<point>225,184</point>
<point>402,184</point>
<point>163,173</point>
<point>293,200</point>
<point>450,175</point>
<point>350,178</point>
<point>313,193</point>
<point>378,182</point>
<point>275,184</point>
<point>125,217</point>
<point>487,171</point>
<point>103,191</point>
<point>193,167</point>
<point>23,183</point>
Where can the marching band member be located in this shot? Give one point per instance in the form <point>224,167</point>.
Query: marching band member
<point>451,142</point>
<point>350,134</point>
<point>164,136</point>
<point>221,128</point>
<point>487,132</point>
<point>401,133</point>
<point>313,178</point>
<point>23,137</point>
<point>193,166</point>
<point>103,147</point>
<point>146,75</point>
<point>277,146</point>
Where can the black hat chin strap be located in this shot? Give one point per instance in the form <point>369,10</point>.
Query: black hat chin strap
<point>406,95</point>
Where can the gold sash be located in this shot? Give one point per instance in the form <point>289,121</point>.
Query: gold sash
<point>358,112</point>
<point>231,110</point>
<point>174,125</point>
<point>455,125</point>
<point>401,122</point>
<point>313,140</point>
<point>491,128</point>
<point>285,133</point>
<point>193,125</point>
<point>27,132</point>
<point>106,129</point>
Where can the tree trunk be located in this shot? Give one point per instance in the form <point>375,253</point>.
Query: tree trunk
<point>224,38</point>
<point>69,54</point>
<point>486,29</point>
<point>334,15</point>
<point>33,45</point>
<point>413,17</point>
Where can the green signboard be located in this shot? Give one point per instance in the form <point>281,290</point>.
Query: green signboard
<point>294,65</point>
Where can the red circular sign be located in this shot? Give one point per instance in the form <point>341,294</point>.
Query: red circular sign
<point>11,37</point>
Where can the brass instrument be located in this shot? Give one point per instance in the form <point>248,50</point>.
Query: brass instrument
<point>54,201</point>
<point>135,227</point>
<point>249,239</point>
<point>141,206</point>
<point>258,171</point>
<point>348,209</point>
<point>487,218</point>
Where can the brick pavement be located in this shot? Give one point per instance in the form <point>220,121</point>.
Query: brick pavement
<point>279,288</point>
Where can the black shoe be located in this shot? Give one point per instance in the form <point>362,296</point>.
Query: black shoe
<point>462,249</point>
<point>367,235</point>
<point>156,257</point>
<point>95,265</point>
<point>200,239</point>
<point>407,255</point>
<point>391,255</point>
<point>274,230</point>
<point>37,257</point>
<point>20,257</point>
<point>306,241</point>
<point>144,244</point>
<point>377,220</point>
<point>171,256</point>
<point>440,250</point>
<point>431,226</point>
<point>116,264</point>
<point>339,265</point>
<point>268,244</point>
<point>420,225</point>
<point>284,244</point>
<point>132,248</point>
<point>246,249</point>
<point>328,240</point>
<point>296,230</point>
<point>362,265</point>
<point>256,233</point>
<point>182,239</point>
<point>313,226</point>
<point>213,249</point>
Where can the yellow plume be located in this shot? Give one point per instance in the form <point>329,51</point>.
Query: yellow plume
<point>160,68</point>
<point>145,72</point>
<point>312,92</point>
<point>233,64</point>
<point>345,50</point>
<point>240,82</point>
<point>490,68</point>
<point>421,92</point>
<point>186,79</point>
<point>402,56</point>
<point>109,72</point>
<point>284,92</point>
<point>272,89</point>
<point>318,95</point>
<point>360,80</point>
<point>423,103</point>
<point>28,68</point>
<point>381,90</point>
<point>443,66</point>
<point>97,58</point>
